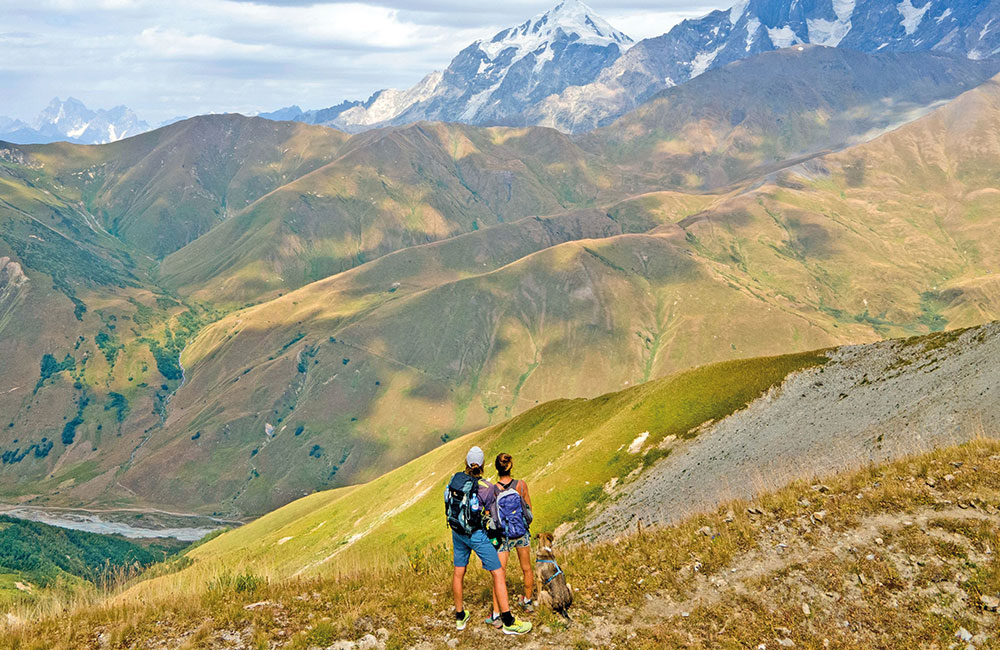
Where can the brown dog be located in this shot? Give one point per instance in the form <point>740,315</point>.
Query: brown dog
<point>553,592</point>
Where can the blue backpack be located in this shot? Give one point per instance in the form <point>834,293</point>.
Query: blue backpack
<point>511,511</point>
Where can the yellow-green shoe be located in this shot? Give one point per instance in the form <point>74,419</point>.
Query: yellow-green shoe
<point>461,622</point>
<point>519,627</point>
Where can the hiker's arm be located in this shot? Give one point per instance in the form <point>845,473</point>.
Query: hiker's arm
<point>525,495</point>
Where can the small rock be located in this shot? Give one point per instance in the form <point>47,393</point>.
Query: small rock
<point>705,530</point>
<point>806,610</point>
<point>730,516</point>
<point>930,481</point>
<point>382,634</point>
<point>818,515</point>
<point>369,642</point>
<point>343,645</point>
<point>786,643</point>
<point>252,606</point>
<point>452,643</point>
<point>964,635</point>
<point>862,579</point>
<point>991,603</point>
<point>804,503</point>
<point>545,629</point>
<point>783,631</point>
<point>948,478</point>
<point>819,487</point>
<point>878,540</point>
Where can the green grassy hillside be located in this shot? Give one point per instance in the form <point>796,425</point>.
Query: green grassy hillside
<point>161,190</point>
<point>388,190</point>
<point>834,251</point>
<point>40,562</point>
<point>567,450</point>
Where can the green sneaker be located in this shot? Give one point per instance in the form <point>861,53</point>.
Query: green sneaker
<point>519,627</point>
<point>460,623</point>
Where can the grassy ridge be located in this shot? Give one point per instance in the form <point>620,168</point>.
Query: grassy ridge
<point>567,451</point>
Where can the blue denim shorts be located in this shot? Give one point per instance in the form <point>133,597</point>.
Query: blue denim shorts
<point>508,545</point>
<point>478,542</point>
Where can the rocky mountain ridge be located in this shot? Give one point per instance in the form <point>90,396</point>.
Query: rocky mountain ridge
<point>70,120</point>
<point>751,27</point>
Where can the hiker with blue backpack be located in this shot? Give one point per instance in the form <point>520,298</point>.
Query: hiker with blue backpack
<point>468,500</point>
<point>511,511</point>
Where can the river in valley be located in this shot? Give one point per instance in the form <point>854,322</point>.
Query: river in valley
<point>133,524</point>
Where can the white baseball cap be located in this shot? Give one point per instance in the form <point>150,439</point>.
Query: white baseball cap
<point>475,457</point>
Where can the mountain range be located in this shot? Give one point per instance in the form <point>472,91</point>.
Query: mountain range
<point>571,70</point>
<point>72,121</point>
<point>223,314</point>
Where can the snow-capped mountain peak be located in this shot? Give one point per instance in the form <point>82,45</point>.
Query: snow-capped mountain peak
<point>71,120</point>
<point>493,80</point>
<point>570,19</point>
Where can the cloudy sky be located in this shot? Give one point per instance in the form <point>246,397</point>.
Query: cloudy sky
<point>166,58</point>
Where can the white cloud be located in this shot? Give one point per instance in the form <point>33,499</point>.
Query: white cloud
<point>157,42</point>
<point>640,24</point>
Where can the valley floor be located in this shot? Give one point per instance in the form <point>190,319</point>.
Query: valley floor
<point>894,556</point>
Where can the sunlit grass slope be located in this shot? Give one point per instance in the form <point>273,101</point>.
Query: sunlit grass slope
<point>567,450</point>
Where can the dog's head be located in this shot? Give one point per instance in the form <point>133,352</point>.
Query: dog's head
<point>545,545</point>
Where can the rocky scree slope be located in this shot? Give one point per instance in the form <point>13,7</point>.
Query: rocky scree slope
<point>867,405</point>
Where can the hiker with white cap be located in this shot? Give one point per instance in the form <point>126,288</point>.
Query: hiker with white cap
<point>467,502</point>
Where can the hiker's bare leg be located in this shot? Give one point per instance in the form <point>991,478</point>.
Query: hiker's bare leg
<point>456,587</point>
<point>524,558</point>
<point>500,589</point>
<point>503,555</point>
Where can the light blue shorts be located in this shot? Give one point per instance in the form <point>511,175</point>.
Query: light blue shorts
<point>478,542</point>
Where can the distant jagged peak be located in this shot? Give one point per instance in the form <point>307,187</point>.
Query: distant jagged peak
<point>570,19</point>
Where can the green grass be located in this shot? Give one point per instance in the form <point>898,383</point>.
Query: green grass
<point>566,450</point>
